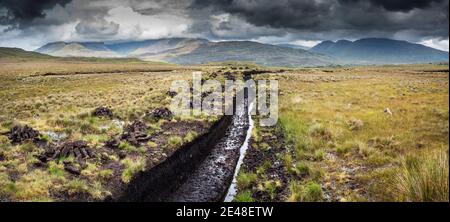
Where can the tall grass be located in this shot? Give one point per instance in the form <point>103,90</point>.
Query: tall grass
<point>425,178</point>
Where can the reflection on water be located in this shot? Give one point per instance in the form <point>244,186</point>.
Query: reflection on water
<point>232,190</point>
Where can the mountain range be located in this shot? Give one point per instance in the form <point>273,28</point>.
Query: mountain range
<point>379,51</point>
<point>199,51</point>
<point>293,46</point>
<point>190,51</point>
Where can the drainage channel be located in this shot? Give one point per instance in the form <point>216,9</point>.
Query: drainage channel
<point>203,170</point>
<point>232,189</point>
<point>210,182</point>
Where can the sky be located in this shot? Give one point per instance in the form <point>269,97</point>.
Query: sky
<point>29,24</point>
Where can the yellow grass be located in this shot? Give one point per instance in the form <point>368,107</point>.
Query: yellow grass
<point>339,114</point>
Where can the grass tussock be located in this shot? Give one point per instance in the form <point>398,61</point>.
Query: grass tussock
<point>308,192</point>
<point>132,166</point>
<point>424,178</point>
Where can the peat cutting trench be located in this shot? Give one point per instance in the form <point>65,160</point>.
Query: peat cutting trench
<point>211,180</point>
<point>200,171</point>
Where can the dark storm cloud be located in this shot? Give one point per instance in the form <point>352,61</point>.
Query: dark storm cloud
<point>260,20</point>
<point>429,18</point>
<point>281,13</point>
<point>22,12</point>
<point>399,5</point>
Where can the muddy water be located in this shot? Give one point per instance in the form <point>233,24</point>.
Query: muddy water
<point>211,180</point>
<point>232,190</point>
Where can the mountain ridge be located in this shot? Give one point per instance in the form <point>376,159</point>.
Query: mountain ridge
<point>7,52</point>
<point>190,51</point>
<point>200,51</point>
<point>379,51</point>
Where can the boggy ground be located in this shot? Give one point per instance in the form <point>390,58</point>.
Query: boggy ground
<point>353,134</point>
<point>82,131</point>
<point>263,176</point>
<point>344,134</point>
<point>210,181</point>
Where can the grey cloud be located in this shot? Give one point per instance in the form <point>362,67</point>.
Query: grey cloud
<point>428,18</point>
<point>20,13</point>
<point>156,7</point>
<point>97,27</point>
<point>399,5</point>
<point>286,20</point>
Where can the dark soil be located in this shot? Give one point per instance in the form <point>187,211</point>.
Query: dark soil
<point>255,72</point>
<point>19,134</point>
<point>135,133</point>
<point>159,113</point>
<point>210,181</point>
<point>257,157</point>
<point>103,112</point>
<point>78,149</point>
<point>171,93</point>
<point>180,129</point>
<point>213,75</point>
<point>229,76</point>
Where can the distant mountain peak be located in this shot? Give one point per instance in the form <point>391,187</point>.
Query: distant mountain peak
<point>197,51</point>
<point>379,51</point>
<point>191,51</point>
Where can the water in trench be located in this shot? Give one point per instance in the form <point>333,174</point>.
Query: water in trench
<point>232,190</point>
<point>210,182</point>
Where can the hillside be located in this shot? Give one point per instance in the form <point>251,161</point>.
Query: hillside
<point>379,51</point>
<point>20,53</point>
<point>293,46</point>
<point>201,51</point>
<point>262,54</point>
<point>190,51</point>
<point>77,49</point>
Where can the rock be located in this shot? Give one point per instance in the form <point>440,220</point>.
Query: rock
<point>19,134</point>
<point>387,111</point>
<point>103,112</point>
<point>160,113</point>
<point>55,136</point>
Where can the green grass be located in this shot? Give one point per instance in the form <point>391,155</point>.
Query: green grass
<point>309,192</point>
<point>245,180</point>
<point>337,126</point>
<point>174,141</point>
<point>105,174</point>
<point>423,178</point>
<point>126,146</point>
<point>244,196</point>
<point>76,186</point>
<point>190,136</point>
<point>132,166</point>
<point>16,53</point>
